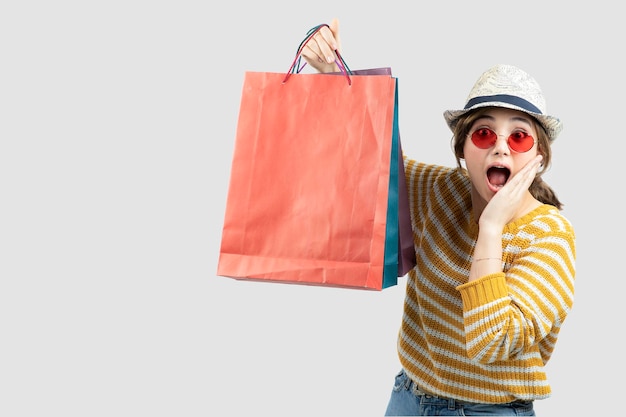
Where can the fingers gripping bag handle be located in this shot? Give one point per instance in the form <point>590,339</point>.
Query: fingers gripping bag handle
<point>297,65</point>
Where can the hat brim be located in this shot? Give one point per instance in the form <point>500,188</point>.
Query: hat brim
<point>551,124</point>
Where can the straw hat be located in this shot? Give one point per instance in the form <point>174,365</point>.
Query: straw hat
<point>510,87</point>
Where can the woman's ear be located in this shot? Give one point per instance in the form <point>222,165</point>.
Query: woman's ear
<point>541,152</point>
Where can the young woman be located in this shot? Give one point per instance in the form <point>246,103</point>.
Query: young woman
<point>495,270</point>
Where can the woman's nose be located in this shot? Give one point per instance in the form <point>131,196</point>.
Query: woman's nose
<point>502,145</point>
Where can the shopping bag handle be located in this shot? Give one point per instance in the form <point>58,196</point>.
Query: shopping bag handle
<point>296,65</point>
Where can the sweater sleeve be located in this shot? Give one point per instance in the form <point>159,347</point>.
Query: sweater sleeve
<point>510,314</point>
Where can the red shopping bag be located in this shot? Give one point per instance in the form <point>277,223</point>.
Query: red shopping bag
<point>309,189</point>
<point>406,246</point>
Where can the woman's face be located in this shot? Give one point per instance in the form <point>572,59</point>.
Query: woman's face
<point>490,166</point>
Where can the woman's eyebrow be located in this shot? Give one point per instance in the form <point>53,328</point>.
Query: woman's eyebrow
<point>485,116</point>
<point>520,119</point>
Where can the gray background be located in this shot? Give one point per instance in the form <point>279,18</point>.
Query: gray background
<point>117,127</point>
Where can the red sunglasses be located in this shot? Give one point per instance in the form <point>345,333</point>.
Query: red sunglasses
<point>519,141</point>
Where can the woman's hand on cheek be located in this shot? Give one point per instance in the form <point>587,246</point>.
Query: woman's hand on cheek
<point>506,204</point>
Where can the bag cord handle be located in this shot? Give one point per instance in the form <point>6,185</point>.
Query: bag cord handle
<point>297,65</point>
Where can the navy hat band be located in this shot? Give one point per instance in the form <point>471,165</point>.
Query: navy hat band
<point>504,98</point>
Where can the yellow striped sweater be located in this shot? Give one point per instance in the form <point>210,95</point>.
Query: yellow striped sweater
<point>486,341</point>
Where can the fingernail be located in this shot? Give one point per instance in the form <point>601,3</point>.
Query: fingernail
<point>330,59</point>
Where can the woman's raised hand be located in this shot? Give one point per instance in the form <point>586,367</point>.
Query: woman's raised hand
<point>319,51</point>
<point>508,203</point>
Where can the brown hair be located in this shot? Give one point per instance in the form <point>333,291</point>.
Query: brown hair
<point>539,189</point>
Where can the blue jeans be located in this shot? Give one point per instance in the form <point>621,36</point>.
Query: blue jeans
<point>406,400</point>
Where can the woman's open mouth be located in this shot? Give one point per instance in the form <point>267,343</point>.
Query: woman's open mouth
<point>498,176</point>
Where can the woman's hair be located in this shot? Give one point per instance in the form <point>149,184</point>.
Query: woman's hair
<point>539,189</point>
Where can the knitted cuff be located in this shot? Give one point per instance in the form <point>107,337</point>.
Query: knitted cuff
<point>483,290</point>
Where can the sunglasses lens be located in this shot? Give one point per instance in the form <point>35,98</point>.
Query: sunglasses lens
<point>521,141</point>
<point>484,138</point>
